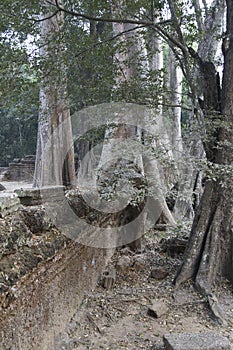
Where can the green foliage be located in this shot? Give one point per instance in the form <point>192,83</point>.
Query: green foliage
<point>87,51</point>
<point>90,67</point>
<point>123,176</point>
<point>181,230</point>
<point>220,173</point>
<point>19,104</point>
<point>17,133</point>
<point>18,115</point>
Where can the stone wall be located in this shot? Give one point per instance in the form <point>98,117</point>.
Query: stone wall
<point>3,173</point>
<point>2,170</point>
<point>43,302</point>
<point>21,169</point>
<point>43,274</point>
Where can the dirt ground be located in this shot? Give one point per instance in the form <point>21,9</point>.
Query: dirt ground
<point>118,318</point>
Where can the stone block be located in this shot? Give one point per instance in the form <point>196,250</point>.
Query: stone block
<point>21,169</point>
<point>196,341</point>
<point>157,309</point>
<point>36,218</point>
<point>9,203</point>
<point>37,196</point>
<point>123,264</point>
<point>173,246</point>
<point>139,263</point>
<point>2,170</point>
<point>158,273</point>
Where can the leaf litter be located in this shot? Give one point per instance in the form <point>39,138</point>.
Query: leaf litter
<point>118,318</point>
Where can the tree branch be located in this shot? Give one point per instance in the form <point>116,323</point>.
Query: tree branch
<point>108,20</point>
<point>38,20</point>
<point>110,39</point>
<point>169,37</point>
<point>184,49</point>
<point>157,27</point>
<point>176,22</point>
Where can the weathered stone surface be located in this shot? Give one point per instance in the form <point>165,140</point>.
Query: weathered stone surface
<point>158,273</point>
<point>21,251</point>
<point>9,203</point>
<point>37,196</point>
<point>85,209</point>
<point>4,174</point>
<point>37,218</point>
<point>2,170</point>
<point>192,341</point>
<point>123,264</point>
<point>139,263</point>
<point>157,309</point>
<point>173,246</point>
<point>22,169</point>
<point>43,274</point>
<point>37,308</point>
<point>109,278</point>
<point>43,278</point>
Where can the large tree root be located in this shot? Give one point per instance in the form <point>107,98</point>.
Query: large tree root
<point>209,253</point>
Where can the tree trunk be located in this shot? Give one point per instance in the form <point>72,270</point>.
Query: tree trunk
<point>190,187</point>
<point>175,96</point>
<point>160,128</point>
<point>54,156</point>
<point>183,207</point>
<point>209,254</point>
<point>132,62</point>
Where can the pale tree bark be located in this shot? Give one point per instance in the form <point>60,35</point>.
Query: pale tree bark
<point>187,178</point>
<point>169,116</point>
<point>155,53</point>
<point>126,71</point>
<point>209,254</point>
<point>87,157</point>
<point>190,186</point>
<point>175,77</point>
<point>167,133</point>
<point>132,61</point>
<point>54,157</point>
<point>183,203</point>
<point>150,60</point>
<point>211,27</point>
<point>211,24</point>
<point>161,129</point>
<point>183,207</point>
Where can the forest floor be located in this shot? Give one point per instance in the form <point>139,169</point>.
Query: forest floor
<point>118,318</point>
